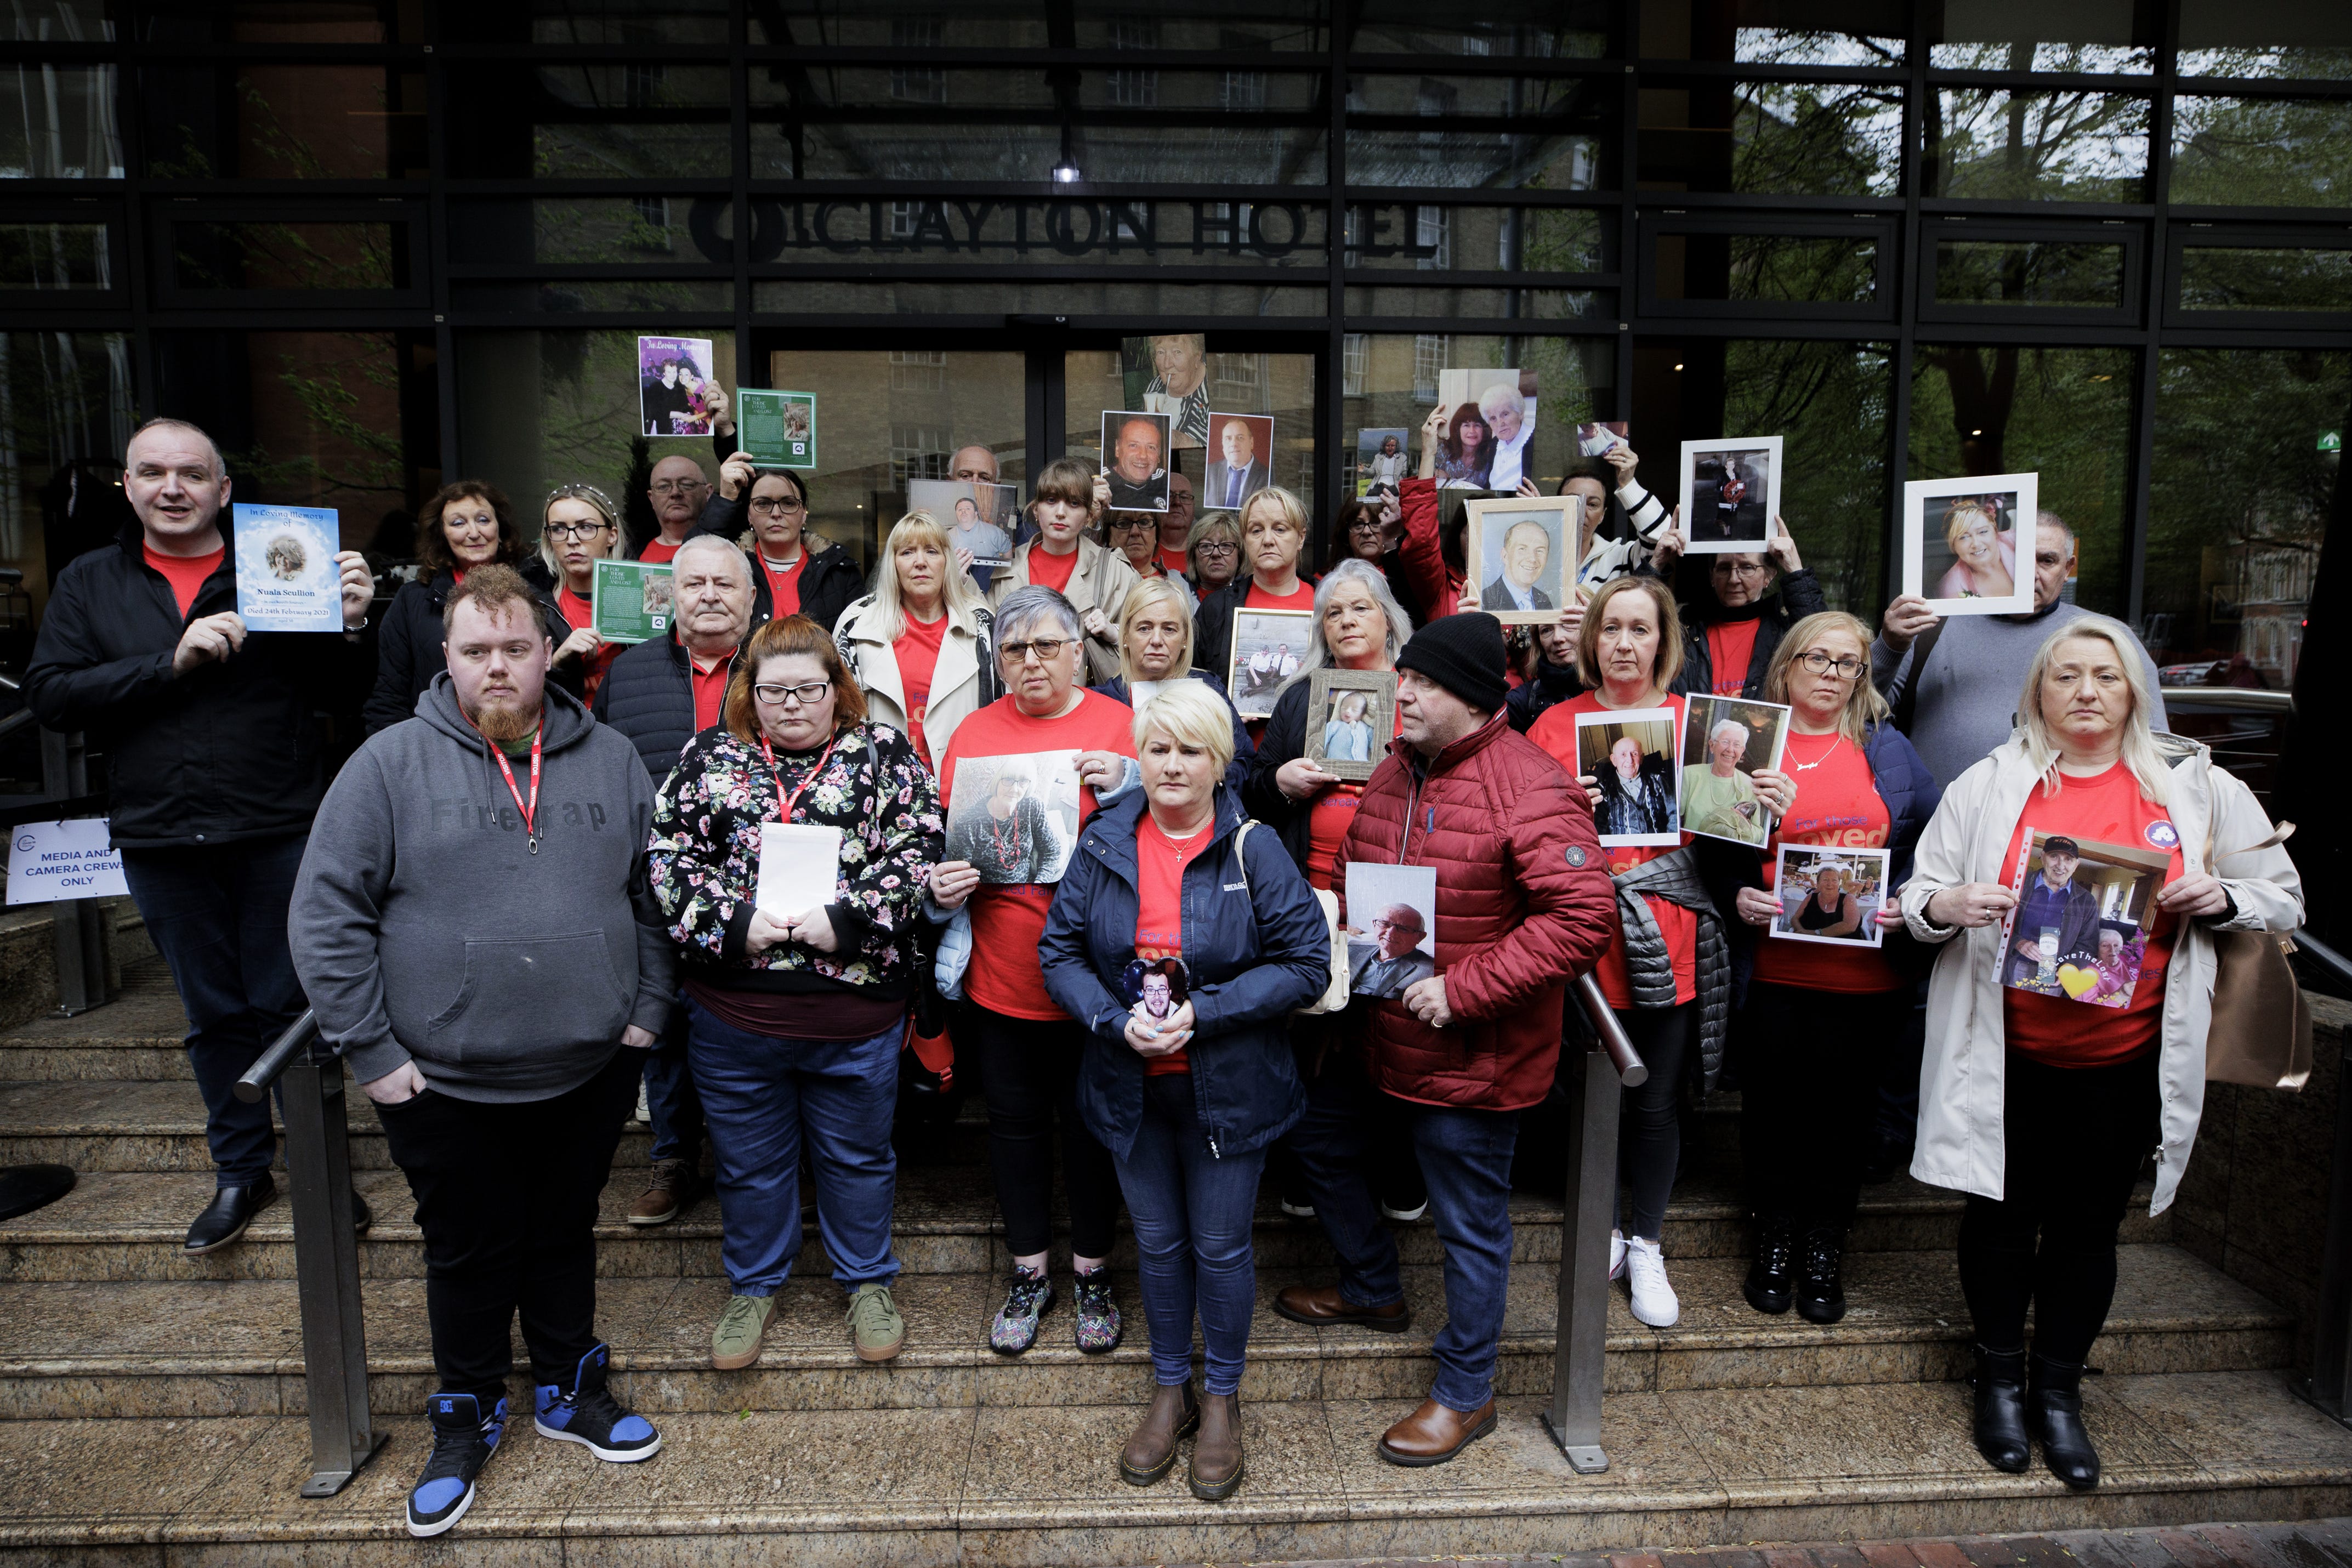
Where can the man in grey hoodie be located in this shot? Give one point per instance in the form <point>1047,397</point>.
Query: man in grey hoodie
<point>474,929</point>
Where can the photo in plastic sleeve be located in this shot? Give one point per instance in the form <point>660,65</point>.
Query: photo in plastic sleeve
<point>2079,929</point>
<point>977,515</point>
<point>1524,563</point>
<point>1135,459</point>
<point>1154,988</point>
<point>1170,375</point>
<point>1269,646</point>
<point>1968,543</point>
<point>674,379</point>
<point>1830,895</point>
<point>1014,817</point>
<point>1629,755</point>
<point>1602,437</point>
<point>287,577</point>
<point>1726,740</point>
<point>1730,494</point>
<point>1392,928</point>
<point>1241,461</point>
<point>631,600</point>
<point>1383,459</point>
<point>776,429</point>
<point>1501,405</point>
<point>1350,719</point>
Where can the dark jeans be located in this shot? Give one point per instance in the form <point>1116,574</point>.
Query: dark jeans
<point>506,1197</point>
<point>670,1096</point>
<point>1808,1076</point>
<point>764,1096</point>
<point>2073,1141</point>
<point>1330,1143</point>
<point>1649,1119</point>
<point>1029,1073</point>
<point>217,915</point>
<point>1192,1214</point>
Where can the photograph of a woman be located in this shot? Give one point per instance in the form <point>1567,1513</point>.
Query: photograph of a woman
<point>1466,457</point>
<point>1830,895</point>
<point>1727,741</point>
<point>1984,557</point>
<point>1003,823</point>
<point>1961,544</point>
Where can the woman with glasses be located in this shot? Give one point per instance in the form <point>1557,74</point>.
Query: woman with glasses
<point>796,1013</point>
<point>1028,1048</point>
<point>1212,553</point>
<point>1819,1021</point>
<point>1135,535</point>
<point>1735,608</point>
<point>793,571</point>
<point>580,528</point>
<point>1272,524</point>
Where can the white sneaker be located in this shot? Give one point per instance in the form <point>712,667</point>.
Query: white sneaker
<point>1653,1299</point>
<point>1616,1255</point>
<point>644,1105</point>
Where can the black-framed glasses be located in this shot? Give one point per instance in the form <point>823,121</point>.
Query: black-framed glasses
<point>679,487</point>
<point>1129,524</point>
<point>1217,549</point>
<point>1820,663</point>
<point>1048,649</point>
<point>576,529</point>
<point>768,506</point>
<point>808,693</point>
<point>1731,568</point>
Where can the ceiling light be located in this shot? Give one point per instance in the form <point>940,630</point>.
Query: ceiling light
<point>1065,173</point>
<point>1679,367</point>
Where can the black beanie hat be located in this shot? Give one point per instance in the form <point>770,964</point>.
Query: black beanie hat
<point>1463,653</point>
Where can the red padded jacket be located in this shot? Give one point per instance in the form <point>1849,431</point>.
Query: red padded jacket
<point>1524,904</point>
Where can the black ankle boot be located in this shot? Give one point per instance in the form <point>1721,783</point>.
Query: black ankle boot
<point>1771,1276</point>
<point>1821,1291</point>
<point>2000,1410</point>
<point>2056,1401</point>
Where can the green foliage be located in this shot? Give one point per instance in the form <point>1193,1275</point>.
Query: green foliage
<point>1829,402</point>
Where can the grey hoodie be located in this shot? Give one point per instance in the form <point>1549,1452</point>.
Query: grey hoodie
<point>424,930</point>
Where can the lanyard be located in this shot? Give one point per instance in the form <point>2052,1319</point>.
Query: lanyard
<point>785,803</point>
<point>528,810</point>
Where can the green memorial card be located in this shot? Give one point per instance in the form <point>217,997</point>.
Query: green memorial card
<point>632,600</point>
<point>776,429</point>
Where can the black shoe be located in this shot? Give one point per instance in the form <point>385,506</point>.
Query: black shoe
<point>2057,1401</point>
<point>2000,1410</point>
<point>1821,1294</point>
<point>231,1210</point>
<point>361,1216</point>
<point>1771,1276</point>
<point>1885,1161</point>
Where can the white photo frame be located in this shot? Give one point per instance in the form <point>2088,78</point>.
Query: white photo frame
<point>1801,864</point>
<point>1658,734</point>
<point>1931,561</point>
<point>1709,470</point>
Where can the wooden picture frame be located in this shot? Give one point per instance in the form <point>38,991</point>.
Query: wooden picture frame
<point>1492,521</point>
<point>1253,690</point>
<point>1379,721</point>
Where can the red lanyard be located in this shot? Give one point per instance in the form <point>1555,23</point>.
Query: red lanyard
<point>785,803</point>
<point>531,810</point>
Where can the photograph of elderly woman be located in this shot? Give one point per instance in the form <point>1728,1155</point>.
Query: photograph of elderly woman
<point>2080,926</point>
<point>1016,817</point>
<point>1725,741</point>
<point>1629,753</point>
<point>1830,895</point>
<point>1961,544</point>
<point>1730,494</point>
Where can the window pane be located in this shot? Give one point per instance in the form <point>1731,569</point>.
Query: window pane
<point>2010,35</point>
<point>60,21</point>
<point>1486,304</point>
<point>1772,139</point>
<point>2065,413</point>
<point>308,256</point>
<point>61,255</point>
<point>1475,239</point>
<point>2021,273</point>
<point>903,24</point>
<point>283,121</point>
<point>1284,24</point>
<point>2218,278</point>
<point>587,22</point>
<point>582,229</point>
<point>2261,151</point>
<point>1991,144</point>
<point>572,295</point>
<point>68,406</point>
<point>1058,232</point>
<point>1560,134</point>
<point>556,122</point>
<point>1777,32</point>
<point>1837,270</point>
<point>57,122</point>
<point>2229,38</point>
<point>272,22</point>
<point>917,297</point>
<point>1572,29</point>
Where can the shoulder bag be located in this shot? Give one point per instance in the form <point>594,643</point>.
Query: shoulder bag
<point>2261,1033</point>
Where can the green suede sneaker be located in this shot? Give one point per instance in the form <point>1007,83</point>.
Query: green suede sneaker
<point>874,1325</point>
<point>735,1344</point>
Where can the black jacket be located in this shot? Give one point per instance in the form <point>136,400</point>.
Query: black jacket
<point>1284,740</point>
<point>409,652</point>
<point>648,696</point>
<point>1213,624</point>
<point>830,579</point>
<point>1798,595</point>
<point>228,751</point>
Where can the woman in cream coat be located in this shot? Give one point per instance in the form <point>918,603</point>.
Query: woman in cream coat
<point>2039,1107</point>
<point>885,638</point>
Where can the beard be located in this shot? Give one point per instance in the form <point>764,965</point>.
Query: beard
<point>504,719</point>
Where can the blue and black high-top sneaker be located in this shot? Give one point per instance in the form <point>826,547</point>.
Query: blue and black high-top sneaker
<point>463,1440</point>
<point>585,1414</point>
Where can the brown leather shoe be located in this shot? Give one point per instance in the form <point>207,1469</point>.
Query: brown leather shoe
<point>1434,1434</point>
<point>673,1188</point>
<point>1217,1451</point>
<point>1150,1453</point>
<point>1322,1305</point>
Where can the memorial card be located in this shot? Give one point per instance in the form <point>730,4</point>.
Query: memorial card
<point>672,373</point>
<point>798,867</point>
<point>632,600</point>
<point>776,429</point>
<point>287,577</point>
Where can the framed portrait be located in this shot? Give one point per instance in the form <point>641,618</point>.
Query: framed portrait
<point>1350,719</point>
<point>1523,555</point>
<point>1382,460</point>
<point>976,514</point>
<point>1241,461</point>
<point>1730,494</point>
<point>1014,817</point>
<point>1629,755</point>
<point>1392,928</point>
<point>1725,741</point>
<point>1135,458</point>
<point>1968,543</point>
<point>1830,895</point>
<point>673,375</point>
<point>1501,405</point>
<point>1269,647</point>
<point>2079,929</point>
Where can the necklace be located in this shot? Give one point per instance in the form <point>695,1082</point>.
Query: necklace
<point>1837,738</point>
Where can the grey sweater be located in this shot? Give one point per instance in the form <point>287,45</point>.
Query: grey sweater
<point>424,930</point>
<point>1966,704</point>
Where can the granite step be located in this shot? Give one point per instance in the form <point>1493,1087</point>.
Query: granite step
<point>214,1348</point>
<point>1030,1488</point>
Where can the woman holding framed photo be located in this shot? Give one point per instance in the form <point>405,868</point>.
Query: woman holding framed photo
<point>1155,645</point>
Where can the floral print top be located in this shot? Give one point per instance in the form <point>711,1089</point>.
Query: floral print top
<point>704,857</point>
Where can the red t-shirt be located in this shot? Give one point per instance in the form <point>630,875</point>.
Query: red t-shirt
<point>1327,821</point>
<point>784,583</point>
<point>1730,645</point>
<point>1008,923</point>
<point>918,653</point>
<point>578,612</point>
<point>709,689</point>
<point>1047,569</point>
<point>2059,1031</point>
<point>186,574</point>
<point>660,551</point>
<point>1838,806</point>
<point>1173,561</point>
<point>1299,598</point>
<point>1555,733</point>
<point>1159,863</point>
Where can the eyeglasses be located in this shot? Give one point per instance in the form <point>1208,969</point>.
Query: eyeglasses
<point>577,530</point>
<point>1132,525</point>
<point>1365,525</point>
<point>1821,663</point>
<point>768,506</point>
<point>679,487</point>
<point>808,693</point>
<point>1047,650</point>
<point>1741,568</point>
<point>1216,549</point>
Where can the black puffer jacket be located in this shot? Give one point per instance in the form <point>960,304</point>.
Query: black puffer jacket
<point>648,696</point>
<point>1213,624</point>
<point>830,579</point>
<point>409,652</point>
<point>1798,595</point>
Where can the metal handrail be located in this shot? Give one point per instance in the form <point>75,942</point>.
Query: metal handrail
<point>1632,1071</point>
<point>2226,699</point>
<point>2338,967</point>
<point>271,1064</point>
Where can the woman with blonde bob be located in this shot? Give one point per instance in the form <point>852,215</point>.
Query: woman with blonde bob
<point>1984,564</point>
<point>1187,1103</point>
<point>1273,527</point>
<point>1212,553</point>
<point>2041,1108</point>
<point>917,645</point>
<point>1155,645</point>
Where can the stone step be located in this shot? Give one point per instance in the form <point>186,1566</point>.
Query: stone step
<point>28,958</point>
<point>1030,1488</point>
<point>211,1348</point>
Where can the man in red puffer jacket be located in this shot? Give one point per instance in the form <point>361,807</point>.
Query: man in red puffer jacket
<point>1524,904</point>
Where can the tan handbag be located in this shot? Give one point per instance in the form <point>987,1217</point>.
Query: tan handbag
<point>2261,1033</point>
<point>1335,992</point>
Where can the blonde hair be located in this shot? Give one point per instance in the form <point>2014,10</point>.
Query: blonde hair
<point>957,591</point>
<point>1956,517</point>
<point>1189,713</point>
<point>587,495</point>
<point>2140,752</point>
<point>1670,630</point>
<point>1863,705</point>
<point>1292,510</point>
<point>1145,595</point>
<point>1205,525</point>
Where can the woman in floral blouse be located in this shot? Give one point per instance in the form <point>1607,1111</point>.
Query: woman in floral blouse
<point>796,1009</point>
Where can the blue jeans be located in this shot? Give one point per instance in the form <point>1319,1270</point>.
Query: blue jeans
<point>1192,1213</point>
<point>761,1096</point>
<point>1466,1156</point>
<point>670,1094</point>
<point>217,915</point>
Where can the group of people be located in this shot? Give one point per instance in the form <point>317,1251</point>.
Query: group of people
<point>538,886</point>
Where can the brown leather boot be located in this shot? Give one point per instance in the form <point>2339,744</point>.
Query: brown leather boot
<point>1217,1451</point>
<point>1322,1306</point>
<point>1172,1415</point>
<point>1434,1434</point>
<point>671,1190</point>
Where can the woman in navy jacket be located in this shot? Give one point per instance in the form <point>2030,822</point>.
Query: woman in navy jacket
<point>1183,940</point>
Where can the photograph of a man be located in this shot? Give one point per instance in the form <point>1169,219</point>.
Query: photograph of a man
<point>1155,987</point>
<point>1246,445</point>
<point>1178,387</point>
<point>1135,459</point>
<point>2057,916</point>
<point>1393,958</point>
<point>1511,420</point>
<point>1524,550</point>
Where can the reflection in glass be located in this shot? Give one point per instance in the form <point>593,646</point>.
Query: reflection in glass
<point>1536,29</point>
<point>68,402</point>
<point>2261,151</point>
<point>1783,138</point>
<point>303,257</point>
<point>587,22</point>
<point>2080,36</point>
<point>1239,382</point>
<point>2228,38</point>
<point>573,295</point>
<point>609,85</point>
<point>61,21</point>
<point>1484,304</point>
<point>856,24</point>
<point>921,296</point>
<point>2065,413</point>
<point>57,122</point>
<point>2021,273</point>
<point>582,229</point>
<point>54,256</point>
<point>283,120</point>
<point>2266,277</point>
<point>1836,269</point>
<point>1556,136</point>
<point>1392,235</point>
<point>1053,230</point>
<point>1989,144</point>
<point>267,21</point>
<point>1859,33</point>
<point>1456,160</point>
